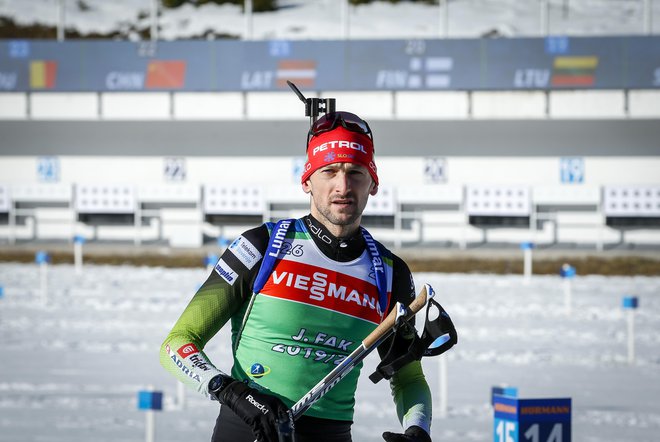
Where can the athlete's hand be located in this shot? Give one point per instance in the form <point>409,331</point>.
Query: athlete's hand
<point>262,412</point>
<point>412,434</point>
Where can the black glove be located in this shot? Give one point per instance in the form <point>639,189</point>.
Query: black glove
<point>265,414</point>
<point>412,434</point>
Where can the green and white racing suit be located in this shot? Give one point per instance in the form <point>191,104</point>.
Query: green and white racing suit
<point>309,311</point>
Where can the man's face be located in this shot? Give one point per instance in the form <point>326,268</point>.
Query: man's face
<point>339,193</point>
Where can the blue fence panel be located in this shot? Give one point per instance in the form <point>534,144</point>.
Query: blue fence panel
<point>197,65</point>
<point>413,64</point>
<point>127,66</point>
<point>516,64</point>
<point>642,70</point>
<point>266,65</point>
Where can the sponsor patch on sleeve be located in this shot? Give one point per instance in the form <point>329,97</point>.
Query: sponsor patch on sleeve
<point>226,272</point>
<point>245,251</point>
<point>187,350</point>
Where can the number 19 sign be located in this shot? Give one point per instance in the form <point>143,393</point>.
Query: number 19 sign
<point>531,420</point>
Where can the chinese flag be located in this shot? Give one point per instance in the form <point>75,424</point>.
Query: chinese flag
<point>43,74</point>
<point>166,74</point>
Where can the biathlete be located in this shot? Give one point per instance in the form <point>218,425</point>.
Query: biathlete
<point>299,296</point>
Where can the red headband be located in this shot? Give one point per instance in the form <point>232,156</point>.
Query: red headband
<point>340,145</point>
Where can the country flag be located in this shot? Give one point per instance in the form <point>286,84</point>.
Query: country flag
<point>43,74</point>
<point>301,72</point>
<point>166,74</point>
<point>438,74</point>
<point>574,71</point>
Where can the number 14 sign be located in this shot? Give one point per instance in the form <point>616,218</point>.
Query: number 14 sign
<point>531,420</point>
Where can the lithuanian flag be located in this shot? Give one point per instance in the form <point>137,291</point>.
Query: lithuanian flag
<point>43,74</point>
<point>574,71</point>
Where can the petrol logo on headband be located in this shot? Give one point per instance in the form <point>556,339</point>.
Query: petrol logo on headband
<point>337,144</point>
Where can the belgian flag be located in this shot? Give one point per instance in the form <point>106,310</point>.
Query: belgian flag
<point>574,71</point>
<point>43,74</point>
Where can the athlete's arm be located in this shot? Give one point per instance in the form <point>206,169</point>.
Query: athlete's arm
<point>410,391</point>
<point>228,286</point>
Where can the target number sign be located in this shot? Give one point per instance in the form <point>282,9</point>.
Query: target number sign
<point>531,420</point>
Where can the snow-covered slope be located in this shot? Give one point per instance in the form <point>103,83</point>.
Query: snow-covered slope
<point>72,364</point>
<point>321,19</point>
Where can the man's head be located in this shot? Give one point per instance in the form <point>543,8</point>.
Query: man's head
<point>339,137</point>
<point>340,172</point>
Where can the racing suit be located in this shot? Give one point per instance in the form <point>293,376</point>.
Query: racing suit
<point>306,315</point>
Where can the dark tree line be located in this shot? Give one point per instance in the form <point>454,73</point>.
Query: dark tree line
<point>269,5</point>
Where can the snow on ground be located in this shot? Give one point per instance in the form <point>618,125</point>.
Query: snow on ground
<point>72,364</point>
<point>321,19</point>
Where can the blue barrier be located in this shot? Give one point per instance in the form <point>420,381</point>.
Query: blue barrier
<point>223,242</point>
<point>537,420</point>
<point>630,302</point>
<point>567,271</point>
<point>42,257</point>
<point>79,239</point>
<point>211,259</point>
<point>552,63</point>
<point>150,400</point>
<point>502,391</point>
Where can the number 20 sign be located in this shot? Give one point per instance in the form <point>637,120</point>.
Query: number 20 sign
<point>531,420</point>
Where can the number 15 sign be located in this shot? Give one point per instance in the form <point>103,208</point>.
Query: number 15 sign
<point>531,420</point>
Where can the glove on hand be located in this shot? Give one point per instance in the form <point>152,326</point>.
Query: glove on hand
<point>412,434</point>
<point>262,412</point>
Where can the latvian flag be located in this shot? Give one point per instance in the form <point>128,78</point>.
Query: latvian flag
<point>574,71</point>
<point>43,74</point>
<point>300,72</point>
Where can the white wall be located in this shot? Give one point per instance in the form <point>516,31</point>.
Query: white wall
<point>520,104</point>
<point>431,105</point>
<point>208,106</point>
<point>274,105</point>
<point>136,106</point>
<point>64,106</point>
<point>587,104</point>
<point>369,104</point>
<point>394,171</point>
<point>644,104</point>
<point>13,106</point>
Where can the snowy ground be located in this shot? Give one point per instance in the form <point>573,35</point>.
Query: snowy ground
<point>321,19</point>
<point>72,365</point>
